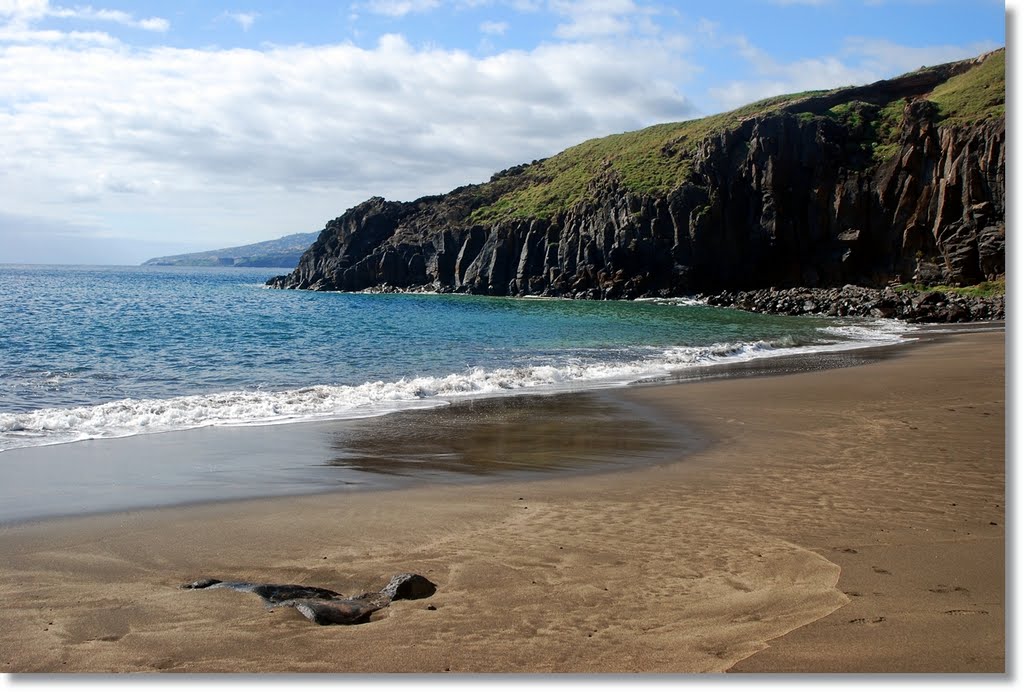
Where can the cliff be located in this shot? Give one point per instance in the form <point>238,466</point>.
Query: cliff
<point>281,252</point>
<point>901,180</point>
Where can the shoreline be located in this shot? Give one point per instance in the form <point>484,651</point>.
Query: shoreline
<point>401,450</point>
<point>317,402</point>
<point>688,565</point>
<point>232,462</point>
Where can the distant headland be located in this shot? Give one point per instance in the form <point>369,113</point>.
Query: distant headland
<point>282,252</point>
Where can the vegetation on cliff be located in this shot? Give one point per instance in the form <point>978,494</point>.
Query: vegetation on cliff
<point>977,94</point>
<point>898,181</point>
<point>658,159</point>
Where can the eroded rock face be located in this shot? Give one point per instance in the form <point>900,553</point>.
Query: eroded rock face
<point>777,200</point>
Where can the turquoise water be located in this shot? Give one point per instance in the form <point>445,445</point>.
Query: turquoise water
<point>96,352</point>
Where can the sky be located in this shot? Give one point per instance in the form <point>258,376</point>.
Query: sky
<point>130,130</point>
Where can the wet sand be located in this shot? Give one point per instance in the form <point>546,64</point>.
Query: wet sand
<point>843,520</point>
<point>465,442</point>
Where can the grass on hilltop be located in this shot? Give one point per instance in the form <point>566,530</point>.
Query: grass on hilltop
<point>975,95</point>
<point>657,159</point>
<point>652,160</point>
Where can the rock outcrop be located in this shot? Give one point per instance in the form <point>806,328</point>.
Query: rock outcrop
<point>810,193</point>
<point>324,606</point>
<point>858,301</point>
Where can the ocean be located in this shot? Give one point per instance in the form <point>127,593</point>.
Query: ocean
<point>102,353</point>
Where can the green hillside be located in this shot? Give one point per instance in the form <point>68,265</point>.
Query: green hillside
<point>657,159</point>
<point>280,252</point>
<point>974,95</point>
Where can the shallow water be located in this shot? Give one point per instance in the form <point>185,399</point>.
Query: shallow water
<point>135,387</point>
<point>99,352</point>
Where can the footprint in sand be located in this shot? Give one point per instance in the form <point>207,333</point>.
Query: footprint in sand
<point>959,611</point>
<point>879,570</point>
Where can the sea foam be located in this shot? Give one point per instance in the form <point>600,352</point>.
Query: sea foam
<point>127,417</point>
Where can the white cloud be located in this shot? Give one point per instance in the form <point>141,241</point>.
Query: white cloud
<point>593,25</point>
<point>13,33</point>
<point>590,18</point>
<point>211,140</point>
<point>494,28</point>
<point>88,13</point>
<point>18,18</point>
<point>23,9</point>
<point>233,145</point>
<point>243,19</point>
<point>883,55</point>
<point>858,61</point>
<point>398,8</point>
<point>154,24</point>
<point>21,13</point>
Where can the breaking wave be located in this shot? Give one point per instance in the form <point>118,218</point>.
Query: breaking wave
<point>127,417</point>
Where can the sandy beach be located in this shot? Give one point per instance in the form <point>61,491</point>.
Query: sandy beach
<point>846,520</point>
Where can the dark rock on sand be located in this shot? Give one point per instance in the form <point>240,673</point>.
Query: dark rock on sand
<point>324,606</point>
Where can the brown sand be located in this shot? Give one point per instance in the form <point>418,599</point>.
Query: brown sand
<point>846,520</point>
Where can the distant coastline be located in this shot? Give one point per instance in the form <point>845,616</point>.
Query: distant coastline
<point>281,252</point>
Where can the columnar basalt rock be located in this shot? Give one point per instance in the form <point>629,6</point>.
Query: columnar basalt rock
<point>785,198</point>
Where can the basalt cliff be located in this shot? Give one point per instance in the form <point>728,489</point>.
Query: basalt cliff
<point>898,181</point>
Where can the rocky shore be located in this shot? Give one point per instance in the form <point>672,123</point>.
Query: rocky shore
<point>911,305</point>
<point>860,301</point>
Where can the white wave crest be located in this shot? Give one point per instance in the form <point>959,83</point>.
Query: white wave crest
<point>680,301</point>
<point>258,407</point>
<point>871,332</point>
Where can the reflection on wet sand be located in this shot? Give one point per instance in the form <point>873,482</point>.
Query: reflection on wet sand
<point>507,435</point>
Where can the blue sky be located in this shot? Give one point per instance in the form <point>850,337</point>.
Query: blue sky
<point>134,129</point>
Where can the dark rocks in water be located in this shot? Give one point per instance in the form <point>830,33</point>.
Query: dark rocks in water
<point>324,606</point>
<point>794,195</point>
<point>858,301</point>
